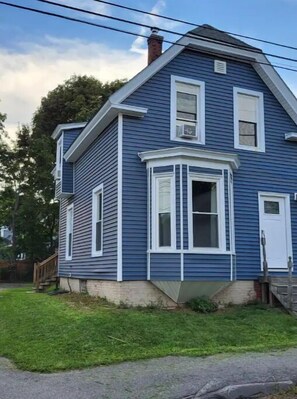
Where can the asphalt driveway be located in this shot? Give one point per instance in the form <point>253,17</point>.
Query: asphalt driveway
<point>170,378</point>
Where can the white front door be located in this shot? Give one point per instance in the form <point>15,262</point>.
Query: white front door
<point>275,223</point>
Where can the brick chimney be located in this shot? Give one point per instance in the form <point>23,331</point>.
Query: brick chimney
<point>154,42</point>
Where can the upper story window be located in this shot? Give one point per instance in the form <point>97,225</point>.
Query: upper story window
<point>163,212</point>
<point>248,120</point>
<point>59,158</point>
<point>97,221</point>
<point>69,232</point>
<point>187,110</point>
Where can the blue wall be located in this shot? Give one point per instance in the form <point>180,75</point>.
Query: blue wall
<point>272,171</point>
<point>96,166</point>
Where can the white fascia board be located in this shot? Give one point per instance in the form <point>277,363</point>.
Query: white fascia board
<point>66,126</point>
<point>278,87</point>
<point>103,118</point>
<point>185,153</point>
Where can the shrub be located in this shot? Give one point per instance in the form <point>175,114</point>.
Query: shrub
<point>202,305</point>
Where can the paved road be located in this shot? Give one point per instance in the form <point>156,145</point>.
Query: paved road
<point>168,378</point>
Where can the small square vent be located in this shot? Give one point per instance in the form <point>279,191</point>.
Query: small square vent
<point>220,67</point>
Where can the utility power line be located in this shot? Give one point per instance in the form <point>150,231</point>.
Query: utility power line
<point>115,29</point>
<point>243,46</point>
<point>192,24</point>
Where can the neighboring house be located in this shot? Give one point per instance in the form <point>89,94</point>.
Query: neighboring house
<point>6,234</point>
<point>168,188</point>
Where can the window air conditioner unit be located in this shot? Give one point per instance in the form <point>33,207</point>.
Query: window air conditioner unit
<point>187,131</point>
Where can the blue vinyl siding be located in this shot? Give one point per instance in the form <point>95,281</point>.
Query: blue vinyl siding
<point>98,165</point>
<point>165,266</point>
<point>272,171</point>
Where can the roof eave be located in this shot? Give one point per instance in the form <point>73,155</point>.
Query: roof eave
<point>66,126</point>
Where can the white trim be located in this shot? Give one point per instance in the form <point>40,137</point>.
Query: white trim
<point>181,194</point>
<point>66,126</point>
<point>260,119</point>
<point>189,155</point>
<point>149,224</point>
<point>68,209</point>
<point>219,180</point>
<point>155,222</point>
<point>286,197</point>
<point>231,221</point>
<point>96,191</point>
<point>120,199</point>
<point>101,120</point>
<point>200,124</point>
<point>59,159</point>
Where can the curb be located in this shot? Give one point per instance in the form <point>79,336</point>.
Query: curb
<point>246,391</point>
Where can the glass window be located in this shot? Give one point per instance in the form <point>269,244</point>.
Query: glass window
<point>205,214</point>
<point>69,232</point>
<point>97,221</point>
<point>164,211</point>
<point>186,109</point>
<point>271,207</point>
<point>59,158</point>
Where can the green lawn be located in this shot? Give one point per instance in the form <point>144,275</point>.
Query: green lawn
<point>48,333</point>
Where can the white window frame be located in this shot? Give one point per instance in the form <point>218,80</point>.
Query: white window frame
<point>95,194</point>
<point>260,120</point>
<point>200,128</point>
<point>155,208</point>
<point>59,158</point>
<point>219,180</point>
<point>69,229</point>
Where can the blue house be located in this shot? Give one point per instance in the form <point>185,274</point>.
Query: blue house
<point>166,192</point>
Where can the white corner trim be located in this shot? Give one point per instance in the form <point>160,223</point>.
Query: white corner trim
<point>100,121</point>
<point>66,126</point>
<point>181,195</point>
<point>260,120</point>
<point>68,209</point>
<point>120,200</point>
<point>200,92</point>
<point>187,154</point>
<point>95,192</point>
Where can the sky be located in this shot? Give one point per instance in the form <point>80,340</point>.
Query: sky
<point>39,52</point>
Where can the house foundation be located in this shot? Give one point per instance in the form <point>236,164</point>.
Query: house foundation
<point>144,293</point>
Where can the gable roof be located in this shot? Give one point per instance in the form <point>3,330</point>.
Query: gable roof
<point>209,32</point>
<point>220,43</point>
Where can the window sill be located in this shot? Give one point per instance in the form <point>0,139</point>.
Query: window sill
<point>188,141</point>
<point>68,258</point>
<point>97,254</point>
<point>247,148</point>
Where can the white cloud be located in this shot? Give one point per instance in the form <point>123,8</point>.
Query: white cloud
<point>139,44</point>
<point>27,76</point>
<point>88,6</point>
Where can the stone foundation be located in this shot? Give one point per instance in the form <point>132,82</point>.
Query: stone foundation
<point>133,293</point>
<point>237,293</point>
<point>144,293</point>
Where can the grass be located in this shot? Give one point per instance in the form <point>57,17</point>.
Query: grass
<point>50,333</point>
<point>291,394</point>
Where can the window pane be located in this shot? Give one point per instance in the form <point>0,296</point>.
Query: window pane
<point>271,207</point>
<point>98,236</point>
<point>205,231</point>
<point>164,195</point>
<point>247,107</point>
<point>70,244</point>
<point>204,196</point>
<point>99,206</point>
<point>164,230</point>
<point>248,133</point>
<point>186,116</point>
<point>186,102</point>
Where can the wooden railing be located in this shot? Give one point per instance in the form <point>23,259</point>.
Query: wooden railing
<point>45,270</point>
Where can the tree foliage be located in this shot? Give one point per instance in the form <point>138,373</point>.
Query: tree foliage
<point>27,204</point>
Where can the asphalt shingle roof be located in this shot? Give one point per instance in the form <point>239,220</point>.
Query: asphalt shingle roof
<point>210,32</point>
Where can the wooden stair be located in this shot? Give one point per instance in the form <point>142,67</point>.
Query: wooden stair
<point>46,273</point>
<point>286,292</point>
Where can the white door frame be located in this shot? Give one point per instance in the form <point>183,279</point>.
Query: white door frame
<point>286,197</point>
